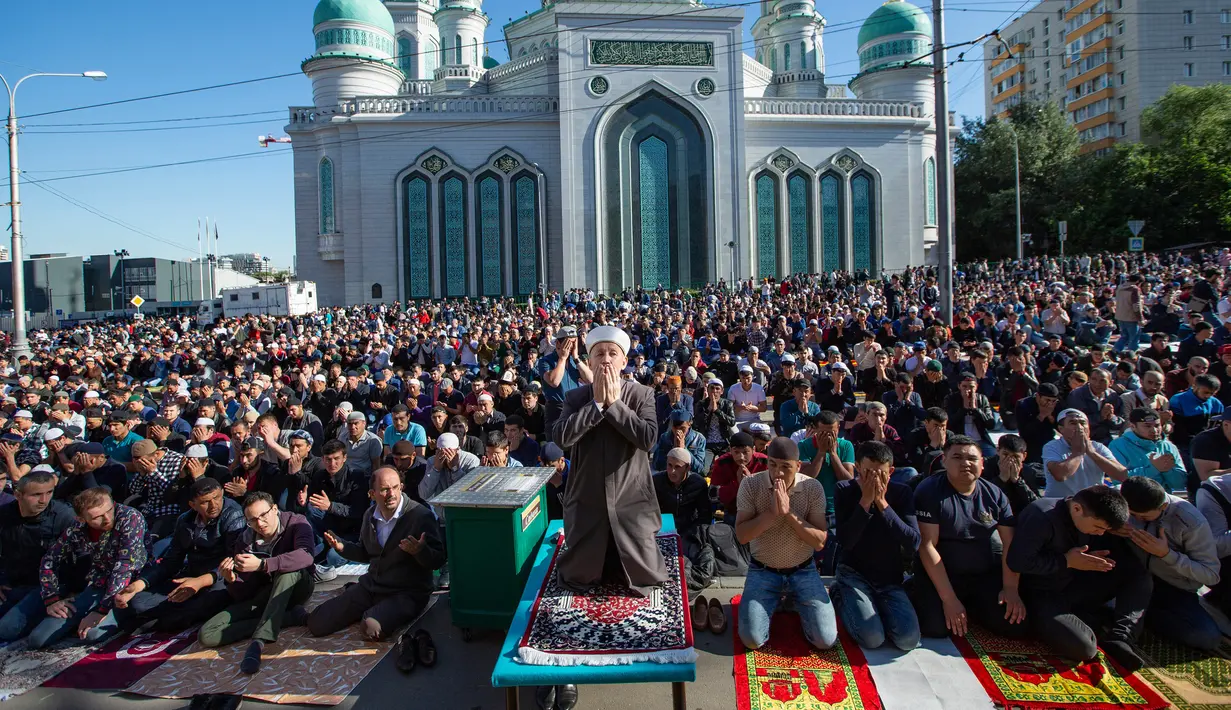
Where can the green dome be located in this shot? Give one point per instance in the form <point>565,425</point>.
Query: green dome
<point>489,62</point>
<point>893,18</point>
<point>369,12</point>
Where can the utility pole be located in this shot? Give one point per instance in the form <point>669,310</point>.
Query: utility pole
<point>20,346</point>
<point>1017,180</point>
<point>944,161</point>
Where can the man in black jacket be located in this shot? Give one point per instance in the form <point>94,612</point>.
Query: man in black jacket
<point>1063,578</point>
<point>971,413</point>
<point>1010,472</point>
<point>183,587</point>
<point>400,541</point>
<point>1036,420</point>
<point>28,526</point>
<point>1017,382</point>
<point>335,498</point>
<point>682,493</point>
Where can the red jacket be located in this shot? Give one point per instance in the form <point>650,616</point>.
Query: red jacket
<point>723,475</point>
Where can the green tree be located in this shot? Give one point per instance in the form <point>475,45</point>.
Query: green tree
<point>985,189</point>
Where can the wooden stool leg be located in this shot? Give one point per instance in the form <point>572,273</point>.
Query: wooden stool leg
<point>679,696</point>
<point>511,698</point>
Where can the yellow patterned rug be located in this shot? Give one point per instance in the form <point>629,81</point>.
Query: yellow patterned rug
<point>1187,678</point>
<point>298,669</point>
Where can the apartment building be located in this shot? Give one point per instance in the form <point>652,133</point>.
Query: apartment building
<point>1104,61</point>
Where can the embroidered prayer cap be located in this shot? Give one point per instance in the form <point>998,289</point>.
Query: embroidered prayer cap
<point>608,334</point>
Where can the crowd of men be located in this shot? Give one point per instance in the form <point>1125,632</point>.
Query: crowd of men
<point>164,473</point>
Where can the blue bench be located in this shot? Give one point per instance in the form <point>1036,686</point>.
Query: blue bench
<point>511,675</point>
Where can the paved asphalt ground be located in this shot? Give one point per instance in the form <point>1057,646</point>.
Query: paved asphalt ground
<point>461,680</point>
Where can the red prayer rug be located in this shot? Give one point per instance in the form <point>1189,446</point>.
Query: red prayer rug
<point>123,661</point>
<point>789,674</point>
<point>609,625</point>
<point>1025,675</point>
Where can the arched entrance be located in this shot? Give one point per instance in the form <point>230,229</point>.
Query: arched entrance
<point>655,185</point>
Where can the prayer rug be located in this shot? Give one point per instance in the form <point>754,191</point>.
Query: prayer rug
<point>1025,675</point>
<point>789,674</point>
<point>298,669</point>
<point>123,661</point>
<point>1188,678</point>
<point>23,669</point>
<point>610,625</point>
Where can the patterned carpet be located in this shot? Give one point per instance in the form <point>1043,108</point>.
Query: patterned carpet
<point>1189,679</point>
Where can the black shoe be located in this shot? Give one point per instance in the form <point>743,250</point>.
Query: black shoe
<point>200,701</point>
<point>545,696</point>
<point>408,653</point>
<point>1122,652</point>
<point>566,697</point>
<point>426,648</point>
<point>252,658</point>
<point>225,701</point>
<point>295,616</point>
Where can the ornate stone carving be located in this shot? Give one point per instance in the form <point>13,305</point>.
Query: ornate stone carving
<point>783,163</point>
<point>652,54</point>
<point>846,162</point>
<point>507,163</point>
<point>433,164</point>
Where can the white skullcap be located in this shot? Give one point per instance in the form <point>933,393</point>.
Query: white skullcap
<point>204,421</point>
<point>42,468</point>
<point>345,406</point>
<point>53,434</point>
<point>197,451</point>
<point>447,440</point>
<point>485,397</point>
<point>680,454</point>
<point>608,334</point>
<point>23,413</point>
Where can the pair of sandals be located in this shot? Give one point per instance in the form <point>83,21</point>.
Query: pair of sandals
<point>416,649</point>
<point>708,614</point>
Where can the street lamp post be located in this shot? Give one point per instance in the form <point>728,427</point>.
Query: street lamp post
<point>20,346</point>
<point>1017,180</point>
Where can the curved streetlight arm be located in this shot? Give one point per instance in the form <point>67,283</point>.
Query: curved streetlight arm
<point>12,90</point>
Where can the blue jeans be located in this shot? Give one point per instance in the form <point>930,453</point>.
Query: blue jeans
<point>1130,331</point>
<point>873,613</point>
<point>50,629</point>
<point>331,558</point>
<point>903,475</point>
<point>764,589</point>
<point>1177,615</point>
<point>21,610</point>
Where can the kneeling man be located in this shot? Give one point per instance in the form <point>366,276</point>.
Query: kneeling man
<point>782,519</point>
<point>400,542</point>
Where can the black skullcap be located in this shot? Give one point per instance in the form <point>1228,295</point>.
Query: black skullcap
<point>782,448</point>
<point>741,439</point>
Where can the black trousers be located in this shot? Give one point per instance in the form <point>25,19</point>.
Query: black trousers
<point>1068,620</point>
<point>980,594</point>
<point>152,604</point>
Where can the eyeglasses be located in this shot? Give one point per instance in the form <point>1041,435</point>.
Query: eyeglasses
<point>259,517</point>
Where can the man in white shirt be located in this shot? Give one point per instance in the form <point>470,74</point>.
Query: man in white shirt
<point>1073,461</point>
<point>748,397</point>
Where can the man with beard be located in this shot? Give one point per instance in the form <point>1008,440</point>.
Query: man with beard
<point>253,472</point>
<point>298,418</point>
<point>183,587</point>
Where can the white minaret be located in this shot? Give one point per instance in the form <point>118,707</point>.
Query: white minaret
<point>416,39</point>
<point>462,25</point>
<point>788,41</point>
<point>892,36</point>
<point>354,52</point>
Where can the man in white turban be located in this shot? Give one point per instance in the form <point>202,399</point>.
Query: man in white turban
<point>611,513</point>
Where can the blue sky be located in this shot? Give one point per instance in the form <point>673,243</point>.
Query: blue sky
<point>155,47</point>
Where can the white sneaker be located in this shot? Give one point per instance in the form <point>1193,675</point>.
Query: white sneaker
<point>321,573</point>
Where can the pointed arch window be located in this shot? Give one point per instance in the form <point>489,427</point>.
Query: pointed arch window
<point>417,228</point>
<point>474,51</point>
<point>328,223</point>
<point>655,216</point>
<point>526,228</point>
<point>767,225</point>
<point>863,226</point>
<point>491,237</point>
<point>929,177</point>
<point>378,292</point>
<point>453,255</point>
<point>799,213</point>
<point>786,57</point>
<point>831,222</point>
<point>457,50</point>
<point>803,55</point>
<point>773,59</point>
